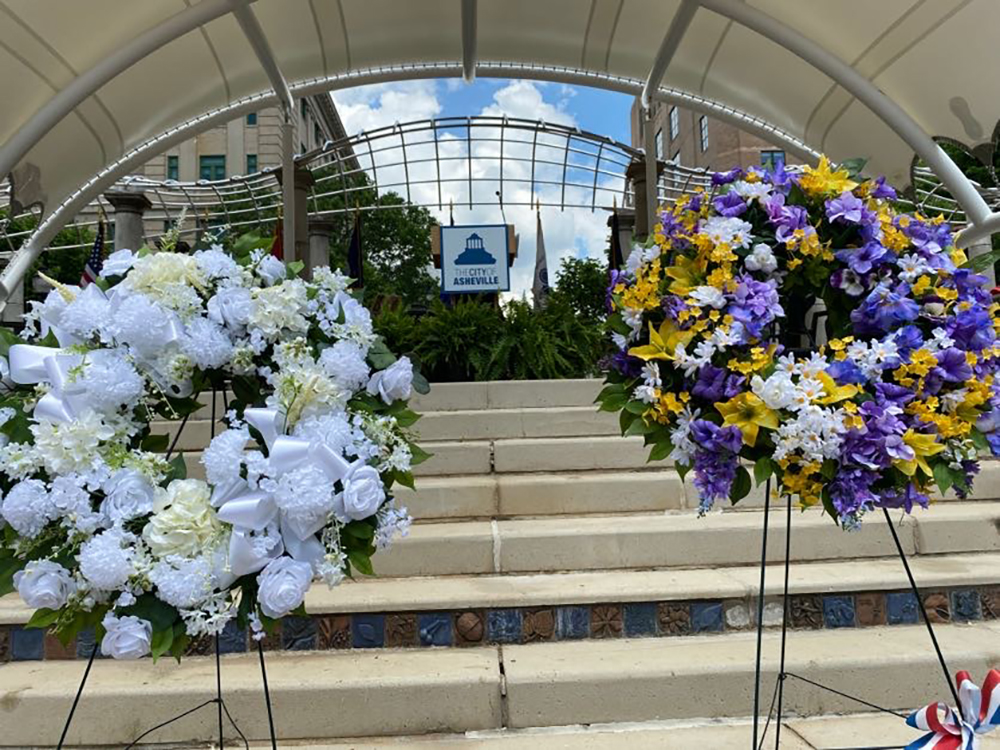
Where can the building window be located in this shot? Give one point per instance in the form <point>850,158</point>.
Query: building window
<point>659,144</point>
<point>212,167</point>
<point>173,168</point>
<point>773,160</point>
<point>252,119</point>
<point>302,106</point>
<point>677,158</point>
<point>302,148</point>
<point>675,123</point>
<point>251,163</point>
<point>317,134</point>
<point>703,132</point>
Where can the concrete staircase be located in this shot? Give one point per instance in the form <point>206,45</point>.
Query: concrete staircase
<point>554,580</point>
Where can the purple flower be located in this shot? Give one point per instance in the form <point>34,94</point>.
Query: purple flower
<point>785,219</point>
<point>907,339</point>
<point>715,461</point>
<point>625,364</point>
<point>905,498</point>
<point>849,282</point>
<point>724,178</point>
<point>890,394</point>
<point>952,366</point>
<point>851,491</point>
<point>730,204</point>
<point>883,310</point>
<point>755,303</point>
<point>971,329</point>
<point>845,371</point>
<point>861,260</point>
<point>847,208</point>
<point>711,437</point>
<point>881,190</point>
<point>714,384</point>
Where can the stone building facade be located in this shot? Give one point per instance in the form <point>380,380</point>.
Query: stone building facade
<point>696,140</point>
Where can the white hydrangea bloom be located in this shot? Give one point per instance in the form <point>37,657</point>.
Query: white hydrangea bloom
<point>345,363</point>
<point>223,457</point>
<point>73,446</point>
<point>280,308</point>
<point>28,507</point>
<point>110,381</point>
<point>182,582</point>
<point>107,559</point>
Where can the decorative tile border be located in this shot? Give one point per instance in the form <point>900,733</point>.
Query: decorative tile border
<point>559,623</point>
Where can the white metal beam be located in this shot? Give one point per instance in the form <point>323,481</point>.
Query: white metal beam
<point>469,39</point>
<point>22,260</point>
<point>671,41</point>
<point>988,226</point>
<point>866,92</point>
<point>84,85</point>
<point>262,48</point>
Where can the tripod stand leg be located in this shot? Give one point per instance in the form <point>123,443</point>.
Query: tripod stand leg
<point>760,616</point>
<point>79,692</point>
<point>218,687</point>
<point>784,623</point>
<point>267,697</point>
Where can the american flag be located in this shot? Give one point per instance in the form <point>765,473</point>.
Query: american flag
<point>96,259</point>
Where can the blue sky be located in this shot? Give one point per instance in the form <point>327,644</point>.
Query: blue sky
<point>578,233</point>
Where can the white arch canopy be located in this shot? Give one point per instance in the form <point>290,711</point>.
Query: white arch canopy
<point>92,89</point>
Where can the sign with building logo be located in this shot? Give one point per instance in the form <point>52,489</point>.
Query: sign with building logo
<point>475,259</point>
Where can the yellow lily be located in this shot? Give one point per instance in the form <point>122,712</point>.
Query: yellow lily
<point>823,180</point>
<point>748,412</point>
<point>835,393</point>
<point>923,445</point>
<point>687,273</point>
<point>662,343</point>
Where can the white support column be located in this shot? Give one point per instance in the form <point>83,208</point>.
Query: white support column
<point>866,92</point>
<point>671,41</point>
<point>288,185</point>
<point>649,143</point>
<point>90,81</point>
<point>974,233</point>
<point>469,40</point>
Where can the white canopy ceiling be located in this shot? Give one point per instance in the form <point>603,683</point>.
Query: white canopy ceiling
<point>937,59</point>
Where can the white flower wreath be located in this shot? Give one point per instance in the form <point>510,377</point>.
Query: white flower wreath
<point>102,530</point>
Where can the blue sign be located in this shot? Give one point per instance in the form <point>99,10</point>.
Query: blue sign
<point>475,259</point>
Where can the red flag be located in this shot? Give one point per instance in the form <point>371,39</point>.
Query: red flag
<point>277,246</point>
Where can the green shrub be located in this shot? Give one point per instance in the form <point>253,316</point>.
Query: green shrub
<point>454,343</point>
<point>398,327</point>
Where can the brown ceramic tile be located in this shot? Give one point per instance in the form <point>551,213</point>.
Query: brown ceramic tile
<point>805,612</point>
<point>539,625</point>
<point>870,609</point>
<point>401,630</point>
<point>991,603</point>
<point>4,644</point>
<point>936,607</point>
<point>606,621</point>
<point>334,631</point>
<point>469,628</point>
<point>674,619</point>
<point>201,646</point>
<point>272,640</point>
<point>54,649</point>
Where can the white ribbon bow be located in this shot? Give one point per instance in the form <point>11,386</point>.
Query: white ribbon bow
<point>31,364</point>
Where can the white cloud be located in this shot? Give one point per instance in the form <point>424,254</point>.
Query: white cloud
<point>569,233</point>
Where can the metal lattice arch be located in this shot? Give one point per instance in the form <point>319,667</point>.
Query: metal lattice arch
<point>94,89</point>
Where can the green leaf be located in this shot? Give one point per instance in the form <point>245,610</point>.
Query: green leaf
<point>741,485</point>
<point>763,468</point>
<point>682,470</point>
<point>943,477</point>
<point>420,384</point>
<point>854,166</point>
<point>380,356</point>
<point>625,420</point>
<point>640,427</point>
<point>406,417</point>
<point>361,562</point>
<point>295,267</point>
<point>981,262</point>
<point>160,614</point>
<point>155,443</point>
<point>979,440</point>
<point>360,530</point>
<point>660,451</point>
<point>161,642</point>
<point>418,454</point>
<point>405,478</point>
<point>9,565</point>
<point>42,618</point>
<point>178,469</point>
<point>7,339</point>
<point>614,402</point>
<point>636,407</point>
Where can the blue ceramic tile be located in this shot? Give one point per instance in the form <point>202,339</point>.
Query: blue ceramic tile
<point>706,617</point>
<point>504,625</point>
<point>965,605</point>
<point>232,639</point>
<point>368,631</point>
<point>838,611</point>
<point>902,608</point>
<point>435,629</point>
<point>85,643</point>
<point>27,643</point>
<point>298,634</point>
<point>572,622</point>
<point>640,619</point>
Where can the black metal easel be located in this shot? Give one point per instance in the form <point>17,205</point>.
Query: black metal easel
<point>217,700</point>
<point>777,697</point>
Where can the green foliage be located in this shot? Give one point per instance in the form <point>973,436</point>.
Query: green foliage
<point>455,343</point>
<point>62,265</point>
<point>581,284</point>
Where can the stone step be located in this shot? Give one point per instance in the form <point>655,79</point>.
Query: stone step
<point>371,694</point>
<point>657,540</point>
<point>507,394</point>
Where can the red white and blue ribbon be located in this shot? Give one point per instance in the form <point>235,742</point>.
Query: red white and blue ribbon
<point>959,729</point>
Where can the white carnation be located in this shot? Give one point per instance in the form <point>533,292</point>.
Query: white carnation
<point>305,498</point>
<point>223,457</point>
<point>207,344</point>
<point>107,560</point>
<point>217,265</point>
<point>183,582</point>
<point>110,381</point>
<point>28,507</point>
<point>345,363</point>
<point>143,325</point>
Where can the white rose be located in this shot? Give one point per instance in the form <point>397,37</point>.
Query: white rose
<point>126,637</point>
<point>282,586</point>
<point>129,495</point>
<point>393,383</point>
<point>362,496</point>
<point>271,270</point>
<point>44,584</point>
<point>761,259</point>
<point>184,522</point>
<point>118,263</point>
<point>230,307</point>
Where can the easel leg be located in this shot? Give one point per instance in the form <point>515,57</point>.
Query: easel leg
<point>218,687</point>
<point>79,692</point>
<point>760,616</point>
<point>784,622</point>
<point>267,697</point>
